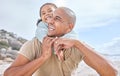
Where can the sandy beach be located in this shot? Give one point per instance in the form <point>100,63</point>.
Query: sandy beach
<point>82,70</point>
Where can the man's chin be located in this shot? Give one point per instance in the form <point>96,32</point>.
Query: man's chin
<point>55,35</point>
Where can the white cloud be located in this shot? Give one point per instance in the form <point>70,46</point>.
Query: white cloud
<point>111,48</point>
<point>95,13</point>
<point>60,2</point>
<point>19,15</point>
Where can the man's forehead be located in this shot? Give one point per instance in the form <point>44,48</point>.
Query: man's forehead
<point>59,12</point>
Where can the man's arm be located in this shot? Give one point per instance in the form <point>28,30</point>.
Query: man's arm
<point>91,58</point>
<point>96,61</point>
<point>23,67</point>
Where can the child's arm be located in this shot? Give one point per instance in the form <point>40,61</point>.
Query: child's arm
<point>71,35</point>
<point>41,31</point>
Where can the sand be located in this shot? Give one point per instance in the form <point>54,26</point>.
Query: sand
<point>82,70</point>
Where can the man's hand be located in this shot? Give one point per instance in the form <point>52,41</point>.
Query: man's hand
<point>63,43</point>
<point>47,47</point>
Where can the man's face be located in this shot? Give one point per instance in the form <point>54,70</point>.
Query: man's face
<point>58,25</point>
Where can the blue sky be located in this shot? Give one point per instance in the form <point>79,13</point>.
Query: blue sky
<point>98,21</point>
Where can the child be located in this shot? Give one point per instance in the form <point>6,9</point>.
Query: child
<point>46,12</point>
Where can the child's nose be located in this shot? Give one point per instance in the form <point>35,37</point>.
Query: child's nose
<point>50,20</point>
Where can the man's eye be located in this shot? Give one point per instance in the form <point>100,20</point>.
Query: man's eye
<point>56,19</point>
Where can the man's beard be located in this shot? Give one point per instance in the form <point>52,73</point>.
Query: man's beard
<point>51,36</point>
<point>55,35</point>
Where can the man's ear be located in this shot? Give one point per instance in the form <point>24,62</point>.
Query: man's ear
<point>70,27</point>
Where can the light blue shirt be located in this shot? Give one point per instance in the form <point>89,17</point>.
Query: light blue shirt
<point>42,30</point>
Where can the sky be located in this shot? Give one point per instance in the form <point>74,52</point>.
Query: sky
<point>98,21</point>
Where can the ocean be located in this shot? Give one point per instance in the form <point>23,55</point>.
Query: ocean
<point>112,56</point>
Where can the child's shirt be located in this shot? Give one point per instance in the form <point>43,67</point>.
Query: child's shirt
<point>42,30</point>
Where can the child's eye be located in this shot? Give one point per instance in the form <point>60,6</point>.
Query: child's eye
<point>43,13</point>
<point>50,10</point>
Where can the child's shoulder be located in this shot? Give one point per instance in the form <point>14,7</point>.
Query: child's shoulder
<point>42,24</point>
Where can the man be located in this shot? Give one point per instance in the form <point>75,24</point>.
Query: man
<point>39,58</point>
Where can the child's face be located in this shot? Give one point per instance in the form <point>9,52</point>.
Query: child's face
<point>47,12</point>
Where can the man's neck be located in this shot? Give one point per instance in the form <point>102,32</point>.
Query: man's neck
<point>56,36</point>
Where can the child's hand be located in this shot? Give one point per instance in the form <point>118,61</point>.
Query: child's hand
<point>63,43</point>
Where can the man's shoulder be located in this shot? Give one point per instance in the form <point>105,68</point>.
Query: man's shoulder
<point>32,42</point>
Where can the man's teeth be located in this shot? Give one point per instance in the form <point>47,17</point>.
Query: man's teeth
<point>51,29</point>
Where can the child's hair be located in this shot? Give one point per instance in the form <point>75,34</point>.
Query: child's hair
<point>47,4</point>
<point>39,20</point>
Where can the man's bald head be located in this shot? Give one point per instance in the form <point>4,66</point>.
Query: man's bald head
<point>62,22</point>
<point>69,14</point>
